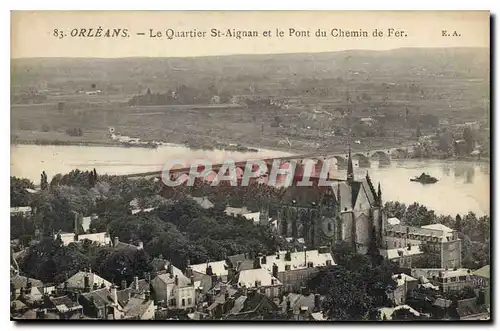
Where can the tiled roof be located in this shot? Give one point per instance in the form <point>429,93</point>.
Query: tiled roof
<point>388,312</point>
<point>248,277</point>
<point>483,272</point>
<point>393,221</point>
<point>395,253</point>
<point>101,298</point>
<point>404,278</point>
<point>299,260</point>
<point>439,227</point>
<point>297,301</point>
<point>219,268</point>
<point>22,281</point>
<point>64,304</point>
<point>137,307</point>
<point>78,280</point>
<point>167,279</point>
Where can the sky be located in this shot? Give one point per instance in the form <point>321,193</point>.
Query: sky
<point>32,33</point>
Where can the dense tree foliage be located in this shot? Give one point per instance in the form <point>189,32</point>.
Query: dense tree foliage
<point>18,194</point>
<point>354,288</point>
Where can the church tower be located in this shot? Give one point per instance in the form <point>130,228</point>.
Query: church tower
<point>350,168</point>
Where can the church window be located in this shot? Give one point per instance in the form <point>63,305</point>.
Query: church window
<point>183,302</point>
<point>329,227</point>
<point>189,301</point>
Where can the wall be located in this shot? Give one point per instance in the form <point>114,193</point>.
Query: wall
<point>292,280</point>
<point>187,294</point>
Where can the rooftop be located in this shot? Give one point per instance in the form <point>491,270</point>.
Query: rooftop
<point>401,279</point>
<point>248,278</point>
<point>439,227</point>
<point>389,311</point>
<point>483,272</point>
<point>395,253</point>
<point>219,268</point>
<point>298,260</point>
<point>22,281</point>
<point>78,280</point>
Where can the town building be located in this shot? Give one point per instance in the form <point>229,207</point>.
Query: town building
<point>404,257</point>
<point>404,285</point>
<point>346,211</point>
<point>85,281</point>
<point>101,238</point>
<point>300,306</point>
<point>446,279</point>
<point>437,238</point>
<point>481,280</point>
<point>257,279</point>
<point>174,290</point>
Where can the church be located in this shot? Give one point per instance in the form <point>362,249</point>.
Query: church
<point>347,211</point>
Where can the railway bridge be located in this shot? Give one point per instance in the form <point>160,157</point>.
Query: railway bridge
<point>363,158</point>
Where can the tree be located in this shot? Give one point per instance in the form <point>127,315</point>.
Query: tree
<point>44,185</point>
<point>469,140</point>
<point>123,264</point>
<point>19,196</point>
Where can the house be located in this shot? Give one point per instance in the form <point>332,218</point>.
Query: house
<point>20,284</point>
<point>299,307</point>
<point>102,304</point>
<point>139,309</point>
<point>121,245</point>
<point>174,290</point>
<point>220,300</point>
<point>440,239</point>
<point>481,279</point>
<point>294,269</point>
<point>231,211</point>
<point>253,305</point>
<point>145,210</point>
<point>386,313</point>
<point>446,279</point>
<point>217,268</point>
<point>20,211</point>
<point>101,238</point>
<point>402,256</point>
<point>257,279</point>
<point>85,280</point>
<point>64,306</point>
<point>404,285</point>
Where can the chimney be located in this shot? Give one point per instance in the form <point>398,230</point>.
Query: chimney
<point>136,283</point>
<point>116,241</point>
<point>288,305</point>
<point>192,280</point>
<point>275,270</point>
<point>148,277</point>
<point>288,256</point>
<point>264,260</point>
<point>114,294</point>
<point>28,285</point>
<point>66,285</point>
<point>176,280</point>
<point>171,269</point>
<point>124,284</point>
<point>223,288</point>
<point>226,296</point>
<point>147,295</point>
<point>140,245</point>
<point>317,303</point>
<point>303,290</point>
<point>208,271</point>
<point>86,283</point>
<point>256,263</point>
<point>189,271</point>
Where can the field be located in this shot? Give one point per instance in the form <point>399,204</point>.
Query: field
<point>452,84</point>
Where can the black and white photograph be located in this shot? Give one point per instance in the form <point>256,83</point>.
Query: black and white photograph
<point>319,166</point>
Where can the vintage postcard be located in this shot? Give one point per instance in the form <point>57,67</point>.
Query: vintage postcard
<point>207,165</point>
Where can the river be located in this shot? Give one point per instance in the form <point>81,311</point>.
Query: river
<point>463,185</point>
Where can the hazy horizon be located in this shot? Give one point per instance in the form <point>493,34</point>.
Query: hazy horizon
<point>259,54</point>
